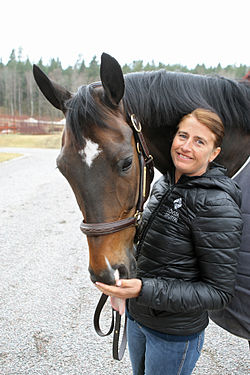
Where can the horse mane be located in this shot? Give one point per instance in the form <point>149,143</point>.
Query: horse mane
<point>84,111</point>
<point>162,98</point>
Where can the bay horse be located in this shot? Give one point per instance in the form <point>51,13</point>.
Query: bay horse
<point>99,154</point>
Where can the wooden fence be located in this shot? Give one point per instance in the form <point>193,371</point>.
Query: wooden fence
<point>29,125</point>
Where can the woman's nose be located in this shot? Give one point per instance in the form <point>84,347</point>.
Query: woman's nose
<point>186,145</point>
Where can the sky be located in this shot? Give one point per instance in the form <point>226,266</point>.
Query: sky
<point>186,32</point>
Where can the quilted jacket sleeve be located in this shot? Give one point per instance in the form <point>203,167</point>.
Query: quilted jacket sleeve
<point>216,234</point>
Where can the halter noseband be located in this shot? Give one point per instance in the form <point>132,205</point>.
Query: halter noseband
<point>146,163</point>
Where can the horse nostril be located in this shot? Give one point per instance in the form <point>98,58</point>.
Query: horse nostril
<point>123,272</point>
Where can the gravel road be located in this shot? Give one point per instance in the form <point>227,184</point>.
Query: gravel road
<point>46,298</point>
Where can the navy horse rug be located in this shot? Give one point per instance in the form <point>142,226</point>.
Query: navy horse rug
<point>235,318</point>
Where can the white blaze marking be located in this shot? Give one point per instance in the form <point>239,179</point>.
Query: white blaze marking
<point>90,152</point>
<point>108,264</point>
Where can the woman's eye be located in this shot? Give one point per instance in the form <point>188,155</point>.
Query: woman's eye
<point>183,136</point>
<point>200,142</point>
<point>126,164</point>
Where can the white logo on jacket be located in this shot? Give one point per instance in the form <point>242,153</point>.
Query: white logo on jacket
<point>177,203</point>
<point>172,214</point>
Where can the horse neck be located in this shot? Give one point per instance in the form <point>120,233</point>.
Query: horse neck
<point>235,150</point>
<point>159,113</point>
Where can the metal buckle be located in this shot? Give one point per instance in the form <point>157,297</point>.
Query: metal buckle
<point>136,124</point>
<point>138,217</point>
<point>138,147</point>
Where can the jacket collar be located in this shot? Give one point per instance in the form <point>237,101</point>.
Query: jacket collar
<point>213,170</point>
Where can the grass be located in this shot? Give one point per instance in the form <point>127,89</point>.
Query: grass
<point>4,156</point>
<point>27,141</point>
<point>34,141</point>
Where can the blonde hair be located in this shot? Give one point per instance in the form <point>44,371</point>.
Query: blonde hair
<point>211,120</point>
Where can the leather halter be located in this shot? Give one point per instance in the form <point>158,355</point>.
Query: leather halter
<point>100,229</point>
<point>146,163</point>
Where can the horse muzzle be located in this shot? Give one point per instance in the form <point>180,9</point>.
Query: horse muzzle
<point>109,274</point>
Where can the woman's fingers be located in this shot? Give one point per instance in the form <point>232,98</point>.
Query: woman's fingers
<point>126,288</point>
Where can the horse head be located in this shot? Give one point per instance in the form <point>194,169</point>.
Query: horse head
<point>99,159</point>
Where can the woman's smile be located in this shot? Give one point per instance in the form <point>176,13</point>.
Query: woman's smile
<point>182,156</point>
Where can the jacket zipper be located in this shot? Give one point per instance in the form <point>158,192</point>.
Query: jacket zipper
<point>149,223</point>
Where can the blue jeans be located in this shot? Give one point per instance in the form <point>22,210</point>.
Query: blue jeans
<point>153,355</point>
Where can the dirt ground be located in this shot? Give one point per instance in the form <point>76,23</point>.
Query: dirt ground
<point>47,300</point>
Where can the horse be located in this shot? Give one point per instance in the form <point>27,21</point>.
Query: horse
<point>99,154</point>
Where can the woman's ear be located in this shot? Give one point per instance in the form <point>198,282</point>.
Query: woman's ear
<point>214,154</point>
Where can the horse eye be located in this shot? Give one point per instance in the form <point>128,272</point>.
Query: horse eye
<point>126,164</point>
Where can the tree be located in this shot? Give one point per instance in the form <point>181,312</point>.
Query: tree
<point>12,58</point>
<point>93,70</point>
<point>126,69</point>
<point>19,93</point>
<point>137,66</point>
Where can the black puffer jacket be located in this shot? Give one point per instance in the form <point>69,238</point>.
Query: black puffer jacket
<point>187,252</point>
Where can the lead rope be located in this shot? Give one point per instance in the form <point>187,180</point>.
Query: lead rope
<point>115,326</point>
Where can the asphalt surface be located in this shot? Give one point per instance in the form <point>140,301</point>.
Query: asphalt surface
<point>47,301</point>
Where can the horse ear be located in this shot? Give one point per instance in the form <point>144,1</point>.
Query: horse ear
<point>54,93</point>
<point>112,78</point>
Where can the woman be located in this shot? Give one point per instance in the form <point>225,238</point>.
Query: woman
<point>186,253</point>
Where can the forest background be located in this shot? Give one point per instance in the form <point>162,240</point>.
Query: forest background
<point>20,96</point>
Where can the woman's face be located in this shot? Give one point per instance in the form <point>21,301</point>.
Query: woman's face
<point>193,148</point>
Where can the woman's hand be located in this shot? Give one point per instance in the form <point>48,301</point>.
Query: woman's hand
<point>124,288</point>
